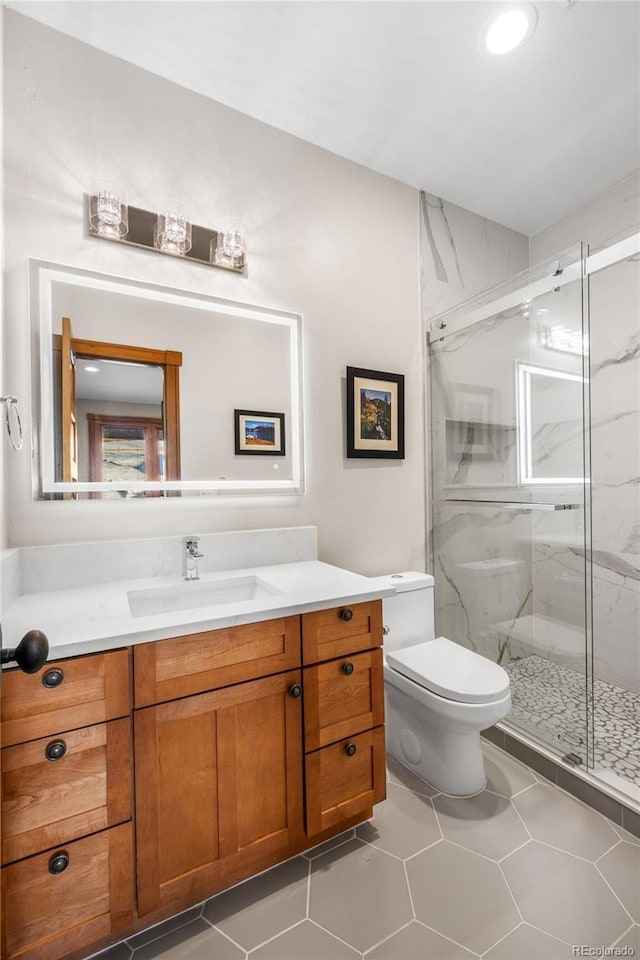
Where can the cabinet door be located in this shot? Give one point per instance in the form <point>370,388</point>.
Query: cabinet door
<point>345,780</point>
<point>342,697</point>
<point>64,787</point>
<point>218,788</point>
<point>49,913</point>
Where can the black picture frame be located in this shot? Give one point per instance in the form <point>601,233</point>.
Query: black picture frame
<point>375,414</point>
<point>259,433</point>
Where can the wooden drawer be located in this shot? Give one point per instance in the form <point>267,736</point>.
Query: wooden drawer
<point>333,633</point>
<point>168,669</point>
<point>341,786</point>
<point>342,697</point>
<point>93,689</point>
<point>48,916</point>
<point>49,802</point>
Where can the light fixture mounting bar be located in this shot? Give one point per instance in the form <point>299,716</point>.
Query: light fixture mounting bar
<point>141,233</point>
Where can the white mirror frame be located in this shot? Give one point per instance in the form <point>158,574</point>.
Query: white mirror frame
<point>42,275</point>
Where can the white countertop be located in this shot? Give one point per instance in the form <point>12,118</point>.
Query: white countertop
<point>94,618</point>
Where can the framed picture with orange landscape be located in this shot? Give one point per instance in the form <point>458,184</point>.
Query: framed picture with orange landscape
<point>375,414</point>
<point>258,432</point>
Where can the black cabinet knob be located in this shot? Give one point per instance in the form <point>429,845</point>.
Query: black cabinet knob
<point>346,614</point>
<point>59,863</point>
<point>31,653</point>
<point>295,690</point>
<point>347,668</point>
<point>350,749</point>
<point>53,678</point>
<point>55,750</point>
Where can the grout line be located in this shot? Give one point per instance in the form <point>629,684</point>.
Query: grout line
<point>612,847</point>
<point>522,821</point>
<point>555,936</point>
<point>483,856</point>
<point>414,855</point>
<point>406,877</point>
<point>445,937</point>
<point>508,886</point>
<point>227,937</point>
<point>336,937</point>
<point>524,789</point>
<point>568,853</point>
<point>269,939</point>
<point>494,945</point>
<point>310,855</point>
<point>385,939</point>
<point>628,930</point>
<point>511,852</point>
<point>614,893</point>
<point>308,904</point>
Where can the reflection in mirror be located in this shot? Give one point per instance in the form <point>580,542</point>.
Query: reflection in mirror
<point>138,385</point>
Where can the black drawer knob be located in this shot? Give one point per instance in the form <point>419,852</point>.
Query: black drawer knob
<point>30,654</point>
<point>55,750</point>
<point>347,668</point>
<point>346,614</point>
<point>53,678</point>
<point>58,863</point>
<point>350,749</point>
<point>295,690</point>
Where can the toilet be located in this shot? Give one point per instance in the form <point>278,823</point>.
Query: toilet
<point>439,695</point>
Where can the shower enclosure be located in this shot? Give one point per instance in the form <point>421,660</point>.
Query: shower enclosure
<point>522,469</point>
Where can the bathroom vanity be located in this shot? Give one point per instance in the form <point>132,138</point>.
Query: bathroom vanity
<point>142,777</point>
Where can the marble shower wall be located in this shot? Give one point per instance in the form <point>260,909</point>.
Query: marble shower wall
<point>614,295</point>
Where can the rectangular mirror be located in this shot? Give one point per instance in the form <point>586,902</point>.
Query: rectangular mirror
<point>139,387</point>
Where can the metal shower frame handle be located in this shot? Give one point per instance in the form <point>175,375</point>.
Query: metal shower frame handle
<point>16,439</point>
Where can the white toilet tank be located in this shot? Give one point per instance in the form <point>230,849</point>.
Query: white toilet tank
<point>409,615</point>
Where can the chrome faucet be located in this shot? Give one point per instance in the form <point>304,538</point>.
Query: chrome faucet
<point>191,556</point>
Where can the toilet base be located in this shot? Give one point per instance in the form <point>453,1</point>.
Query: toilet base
<point>445,752</point>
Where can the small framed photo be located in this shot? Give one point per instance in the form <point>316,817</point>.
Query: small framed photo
<point>258,432</point>
<point>375,414</point>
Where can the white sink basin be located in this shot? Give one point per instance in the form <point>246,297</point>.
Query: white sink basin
<point>193,594</point>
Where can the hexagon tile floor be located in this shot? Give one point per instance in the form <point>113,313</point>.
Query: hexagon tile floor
<point>523,871</point>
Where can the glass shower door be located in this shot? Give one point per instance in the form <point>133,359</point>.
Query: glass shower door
<point>510,494</point>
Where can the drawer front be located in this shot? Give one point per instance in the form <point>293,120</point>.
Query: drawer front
<point>342,697</point>
<point>168,669</point>
<point>46,802</point>
<point>48,916</point>
<point>340,786</point>
<point>93,689</point>
<point>340,631</point>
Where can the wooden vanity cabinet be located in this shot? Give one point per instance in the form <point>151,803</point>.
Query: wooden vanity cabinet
<point>220,773</point>
<point>67,842</point>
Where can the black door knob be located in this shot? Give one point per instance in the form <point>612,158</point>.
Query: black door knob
<point>346,614</point>
<point>295,690</point>
<point>55,750</point>
<point>350,749</point>
<point>59,862</point>
<point>31,653</point>
<point>347,668</point>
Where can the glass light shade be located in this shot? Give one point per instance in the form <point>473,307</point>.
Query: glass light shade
<point>233,237</point>
<point>173,233</point>
<point>108,211</point>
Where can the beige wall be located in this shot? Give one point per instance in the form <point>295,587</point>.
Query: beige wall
<point>327,238</point>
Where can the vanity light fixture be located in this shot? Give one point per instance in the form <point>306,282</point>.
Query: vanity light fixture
<point>108,212</point>
<point>509,28</point>
<point>169,231</point>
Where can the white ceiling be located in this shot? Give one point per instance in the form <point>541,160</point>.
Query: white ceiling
<point>402,87</point>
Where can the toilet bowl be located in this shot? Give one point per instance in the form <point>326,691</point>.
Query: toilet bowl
<point>439,695</point>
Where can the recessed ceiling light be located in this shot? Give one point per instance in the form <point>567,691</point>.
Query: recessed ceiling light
<point>92,369</point>
<point>509,28</point>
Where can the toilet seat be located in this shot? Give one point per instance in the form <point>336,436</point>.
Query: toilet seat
<point>451,671</point>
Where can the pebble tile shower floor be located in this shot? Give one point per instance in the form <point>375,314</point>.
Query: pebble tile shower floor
<point>550,698</point>
<point>523,871</point>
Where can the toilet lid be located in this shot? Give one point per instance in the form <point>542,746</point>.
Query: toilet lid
<point>451,671</point>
